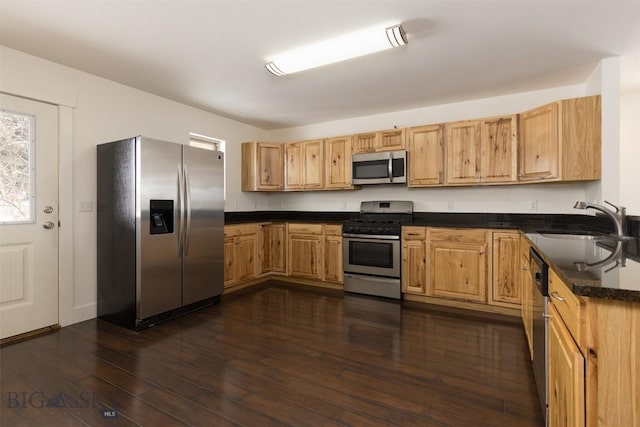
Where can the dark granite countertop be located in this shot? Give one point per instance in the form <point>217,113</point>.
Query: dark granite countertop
<point>571,259</point>
<point>525,222</point>
<point>608,269</point>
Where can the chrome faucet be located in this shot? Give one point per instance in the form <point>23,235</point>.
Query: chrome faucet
<point>619,217</point>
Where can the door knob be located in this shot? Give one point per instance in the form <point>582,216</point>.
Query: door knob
<point>48,225</point>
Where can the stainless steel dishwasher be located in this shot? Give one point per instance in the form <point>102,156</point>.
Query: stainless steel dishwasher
<point>540,275</point>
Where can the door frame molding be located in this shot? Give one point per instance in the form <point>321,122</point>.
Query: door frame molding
<point>65,208</point>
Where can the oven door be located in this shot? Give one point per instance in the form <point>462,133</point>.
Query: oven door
<point>371,255</point>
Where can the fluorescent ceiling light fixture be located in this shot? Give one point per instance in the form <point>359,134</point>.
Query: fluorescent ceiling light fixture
<point>338,49</point>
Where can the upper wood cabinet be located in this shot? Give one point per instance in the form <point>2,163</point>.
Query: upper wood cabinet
<point>498,152</point>
<point>506,289</point>
<point>387,140</point>
<point>262,167</point>
<point>338,163</point>
<point>463,152</point>
<point>561,141</point>
<point>304,167</point>
<point>481,151</point>
<point>457,264</point>
<point>426,155</point>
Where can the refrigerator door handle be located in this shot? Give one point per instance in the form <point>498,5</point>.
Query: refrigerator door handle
<point>180,211</point>
<point>187,186</point>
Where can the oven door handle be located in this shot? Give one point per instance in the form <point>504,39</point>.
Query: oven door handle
<point>370,236</point>
<point>371,278</point>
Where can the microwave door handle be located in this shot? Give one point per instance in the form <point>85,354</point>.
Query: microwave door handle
<point>390,167</point>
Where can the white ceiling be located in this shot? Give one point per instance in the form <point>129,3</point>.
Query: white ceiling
<point>210,53</point>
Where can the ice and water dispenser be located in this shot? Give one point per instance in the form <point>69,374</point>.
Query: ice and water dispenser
<point>161,216</point>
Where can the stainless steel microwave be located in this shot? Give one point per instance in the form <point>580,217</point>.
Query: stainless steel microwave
<point>389,167</point>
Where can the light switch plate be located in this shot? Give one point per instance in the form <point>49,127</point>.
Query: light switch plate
<point>85,206</point>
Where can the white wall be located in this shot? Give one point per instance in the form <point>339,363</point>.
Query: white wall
<point>550,198</point>
<point>630,151</point>
<point>103,111</point>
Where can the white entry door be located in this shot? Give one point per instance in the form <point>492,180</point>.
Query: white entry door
<point>28,215</point>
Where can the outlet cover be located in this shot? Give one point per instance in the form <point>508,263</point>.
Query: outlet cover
<point>533,205</point>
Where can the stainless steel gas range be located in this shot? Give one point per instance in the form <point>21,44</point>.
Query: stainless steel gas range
<point>372,250</point>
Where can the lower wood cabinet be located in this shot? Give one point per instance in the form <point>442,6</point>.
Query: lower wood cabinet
<point>594,362</point>
<point>527,289</point>
<point>305,251</point>
<point>272,250</point>
<point>457,264</point>
<point>566,376</point>
<point>506,290</point>
<point>414,260</point>
<point>333,254</point>
<point>240,253</point>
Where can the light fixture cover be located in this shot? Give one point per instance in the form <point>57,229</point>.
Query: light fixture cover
<point>338,49</point>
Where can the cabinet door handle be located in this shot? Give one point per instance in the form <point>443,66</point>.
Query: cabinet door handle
<point>556,296</point>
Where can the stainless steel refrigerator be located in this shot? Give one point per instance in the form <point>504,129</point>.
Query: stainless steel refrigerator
<point>160,228</point>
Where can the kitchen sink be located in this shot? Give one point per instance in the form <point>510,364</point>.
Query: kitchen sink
<point>582,235</point>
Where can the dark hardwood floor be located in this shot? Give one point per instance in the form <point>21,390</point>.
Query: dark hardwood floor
<point>278,355</point>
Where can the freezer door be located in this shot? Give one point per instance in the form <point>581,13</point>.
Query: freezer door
<point>158,224</point>
<point>203,261</point>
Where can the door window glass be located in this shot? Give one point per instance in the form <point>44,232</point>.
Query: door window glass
<point>17,167</point>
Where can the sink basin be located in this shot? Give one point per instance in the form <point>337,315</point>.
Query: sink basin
<point>582,235</point>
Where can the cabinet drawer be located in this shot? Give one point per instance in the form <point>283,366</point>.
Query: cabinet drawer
<point>333,230</point>
<point>570,306</point>
<point>458,235</point>
<point>305,228</point>
<point>414,233</point>
<point>240,229</point>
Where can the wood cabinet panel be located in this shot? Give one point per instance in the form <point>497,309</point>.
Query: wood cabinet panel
<point>392,140</point>
<point>304,168</point>
<point>570,307</point>
<point>426,155</point>
<point>526,283</point>
<point>566,376</point>
<point>499,142</point>
<point>365,142</point>
<point>241,261</point>
<point>293,169</point>
<point>561,141</point>
<point>262,168</point>
<point>581,139</point>
<point>386,140</point>
<point>463,152</point>
<point>333,258</point>
<point>414,264</point>
<point>279,248</point>
<point>305,256</point>
<point>272,248</point>
<point>229,270</point>
<point>539,143</point>
<point>505,287</point>
<point>467,235</point>
<point>314,166</point>
<point>338,163</point>
<point>457,264</point>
